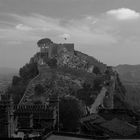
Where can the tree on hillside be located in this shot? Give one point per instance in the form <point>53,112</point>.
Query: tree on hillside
<point>86,94</point>
<point>96,70</point>
<point>28,71</point>
<point>52,63</point>
<point>19,83</point>
<point>17,92</point>
<point>16,80</point>
<point>70,113</point>
<point>97,85</point>
<point>39,89</point>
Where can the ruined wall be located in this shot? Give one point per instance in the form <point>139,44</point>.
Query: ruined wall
<point>91,61</point>
<point>52,50</point>
<point>69,47</point>
<point>57,49</point>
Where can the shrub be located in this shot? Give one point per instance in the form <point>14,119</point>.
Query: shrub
<point>70,113</point>
<point>39,89</point>
<point>96,70</point>
<point>28,71</point>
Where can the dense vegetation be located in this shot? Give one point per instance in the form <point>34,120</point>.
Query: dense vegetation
<point>19,83</point>
<point>87,94</point>
<point>70,113</point>
<point>71,104</point>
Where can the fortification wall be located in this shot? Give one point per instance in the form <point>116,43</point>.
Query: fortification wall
<point>56,49</point>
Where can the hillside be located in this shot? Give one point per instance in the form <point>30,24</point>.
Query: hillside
<point>58,69</point>
<point>130,77</point>
<point>60,78</point>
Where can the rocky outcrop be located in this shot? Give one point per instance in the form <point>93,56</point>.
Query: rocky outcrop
<point>63,71</point>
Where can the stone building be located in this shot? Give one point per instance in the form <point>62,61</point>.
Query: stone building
<point>44,45</point>
<point>52,49</point>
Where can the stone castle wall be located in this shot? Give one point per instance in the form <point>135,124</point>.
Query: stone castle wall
<point>66,55</point>
<point>56,49</point>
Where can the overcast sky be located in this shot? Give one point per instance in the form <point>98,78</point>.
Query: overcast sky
<point>109,30</point>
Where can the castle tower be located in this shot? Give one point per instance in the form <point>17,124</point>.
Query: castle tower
<point>44,45</point>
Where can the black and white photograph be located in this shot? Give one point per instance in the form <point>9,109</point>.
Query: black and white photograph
<point>70,69</point>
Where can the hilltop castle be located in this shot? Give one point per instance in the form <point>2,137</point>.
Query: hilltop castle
<point>50,50</point>
<point>53,49</point>
<point>65,55</point>
<point>62,72</point>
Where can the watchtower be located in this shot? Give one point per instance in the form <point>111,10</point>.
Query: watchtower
<point>44,45</point>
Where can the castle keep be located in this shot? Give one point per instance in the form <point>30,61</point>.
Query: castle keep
<point>50,50</point>
<point>53,49</point>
